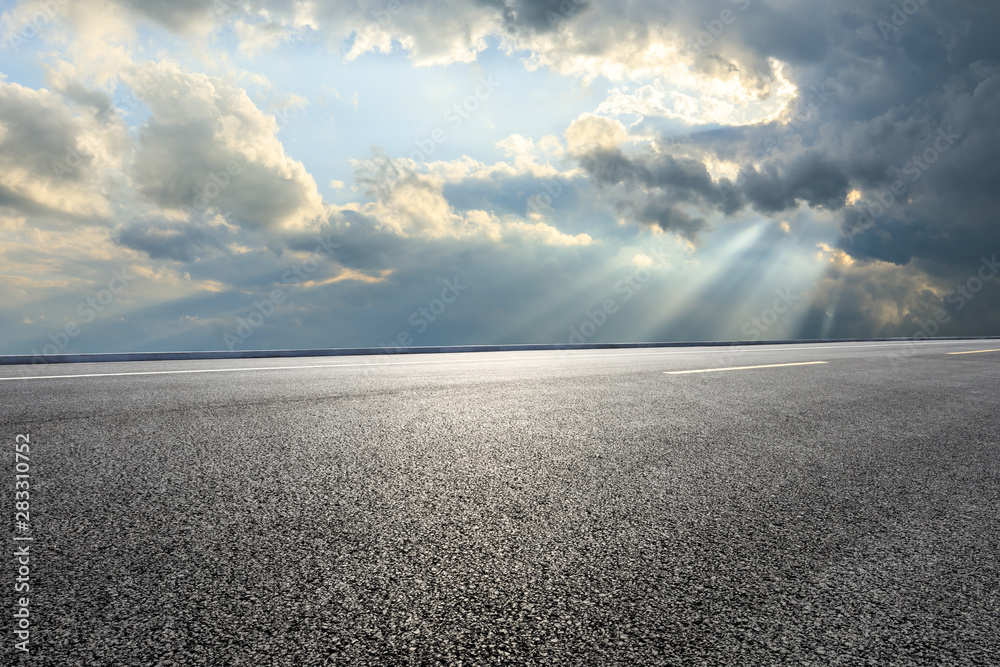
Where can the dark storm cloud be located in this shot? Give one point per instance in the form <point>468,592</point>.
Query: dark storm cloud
<point>885,94</point>
<point>941,160</point>
<point>915,130</point>
<point>660,211</point>
<point>809,177</point>
<point>688,177</point>
<point>663,182</point>
<point>882,86</point>
<point>849,304</point>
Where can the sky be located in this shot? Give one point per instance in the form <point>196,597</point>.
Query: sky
<point>278,174</point>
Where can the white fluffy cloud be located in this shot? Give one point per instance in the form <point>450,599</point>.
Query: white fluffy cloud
<point>413,204</point>
<point>56,159</point>
<point>591,132</point>
<point>207,145</point>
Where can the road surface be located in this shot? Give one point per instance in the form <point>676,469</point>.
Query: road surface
<point>816,504</point>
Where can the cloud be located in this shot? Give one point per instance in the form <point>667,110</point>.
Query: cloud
<point>55,159</point>
<point>873,298</point>
<point>544,234</point>
<point>537,16</point>
<point>178,241</point>
<point>653,44</point>
<point>811,177</point>
<point>655,186</point>
<point>178,15</point>
<point>413,204</point>
<point>591,132</point>
<point>206,145</point>
<point>924,175</point>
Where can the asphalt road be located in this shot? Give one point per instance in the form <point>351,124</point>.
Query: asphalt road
<point>526,508</point>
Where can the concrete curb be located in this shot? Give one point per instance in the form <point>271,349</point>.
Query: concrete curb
<point>97,357</point>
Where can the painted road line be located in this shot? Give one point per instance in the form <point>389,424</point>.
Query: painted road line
<point>974,352</point>
<point>248,368</point>
<point>567,355</point>
<point>370,364</point>
<point>743,368</point>
<point>736,347</point>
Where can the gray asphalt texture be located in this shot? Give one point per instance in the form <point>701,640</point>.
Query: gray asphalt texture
<point>539,508</point>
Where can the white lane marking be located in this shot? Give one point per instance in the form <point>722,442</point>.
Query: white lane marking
<point>974,352</point>
<point>234,370</point>
<point>743,368</point>
<point>614,353</point>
